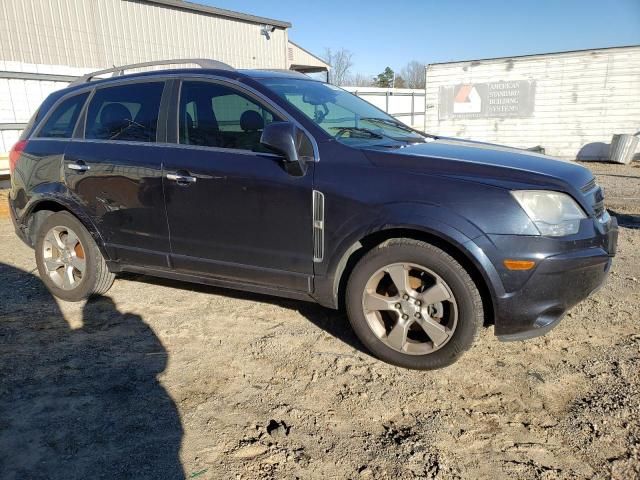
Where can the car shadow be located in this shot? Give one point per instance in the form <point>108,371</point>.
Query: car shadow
<point>626,220</point>
<point>334,322</point>
<point>81,402</point>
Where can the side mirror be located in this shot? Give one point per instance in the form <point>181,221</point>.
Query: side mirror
<point>286,139</point>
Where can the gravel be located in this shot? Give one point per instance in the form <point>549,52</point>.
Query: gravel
<point>163,379</point>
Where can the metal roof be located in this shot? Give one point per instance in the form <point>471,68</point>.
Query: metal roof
<point>301,57</point>
<point>220,12</point>
<point>562,52</point>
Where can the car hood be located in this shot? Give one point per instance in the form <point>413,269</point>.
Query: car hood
<point>487,163</point>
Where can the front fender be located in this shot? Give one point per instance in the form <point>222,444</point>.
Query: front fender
<point>435,221</point>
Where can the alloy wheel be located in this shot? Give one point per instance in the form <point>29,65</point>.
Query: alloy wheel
<point>410,308</point>
<point>64,257</point>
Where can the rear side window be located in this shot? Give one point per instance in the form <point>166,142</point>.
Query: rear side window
<point>62,121</point>
<point>126,113</point>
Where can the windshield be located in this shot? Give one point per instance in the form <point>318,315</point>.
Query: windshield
<point>341,114</point>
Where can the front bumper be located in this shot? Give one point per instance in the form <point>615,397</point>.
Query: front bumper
<point>559,283</point>
<point>532,303</point>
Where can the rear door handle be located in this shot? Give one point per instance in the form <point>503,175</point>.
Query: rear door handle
<point>78,167</point>
<point>181,179</point>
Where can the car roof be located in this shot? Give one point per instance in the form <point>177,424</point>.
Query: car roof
<point>231,74</point>
<point>234,74</point>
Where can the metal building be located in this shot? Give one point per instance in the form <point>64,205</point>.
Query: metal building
<point>44,44</point>
<point>569,103</point>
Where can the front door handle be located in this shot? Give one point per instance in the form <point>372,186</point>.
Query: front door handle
<point>78,167</point>
<point>181,179</point>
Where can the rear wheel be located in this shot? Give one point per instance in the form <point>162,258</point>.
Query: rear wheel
<point>413,305</point>
<point>69,261</point>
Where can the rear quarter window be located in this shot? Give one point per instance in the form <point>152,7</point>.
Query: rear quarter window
<point>28,129</point>
<point>62,121</point>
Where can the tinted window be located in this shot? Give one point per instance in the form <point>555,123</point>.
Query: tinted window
<point>62,121</point>
<point>125,113</point>
<point>214,115</point>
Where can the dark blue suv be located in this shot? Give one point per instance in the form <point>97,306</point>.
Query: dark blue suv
<point>272,182</point>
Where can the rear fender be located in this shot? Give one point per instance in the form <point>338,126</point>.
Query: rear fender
<point>58,194</point>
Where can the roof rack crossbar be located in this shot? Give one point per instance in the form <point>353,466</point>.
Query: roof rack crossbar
<point>119,71</point>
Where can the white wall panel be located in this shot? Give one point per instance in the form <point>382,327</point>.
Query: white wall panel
<point>581,100</point>
<point>20,98</point>
<point>7,139</point>
<point>395,101</point>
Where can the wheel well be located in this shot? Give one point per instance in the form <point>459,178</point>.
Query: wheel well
<point>375,239</point>
<point>38,215</point>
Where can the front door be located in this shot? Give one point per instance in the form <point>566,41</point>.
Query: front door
<point>233,211</point>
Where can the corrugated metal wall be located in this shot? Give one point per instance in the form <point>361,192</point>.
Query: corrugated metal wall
<point>581,99</point>
<point>99,33</point>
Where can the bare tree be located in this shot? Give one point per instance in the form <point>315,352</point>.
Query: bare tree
<point>414,74</point>
<point>359,80</point>
<point>399,82</point>
<point>341,62</point>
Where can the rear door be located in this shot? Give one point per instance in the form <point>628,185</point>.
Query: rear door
<point>40,162</point>
<point>233,210</point>
<point>115,171</point>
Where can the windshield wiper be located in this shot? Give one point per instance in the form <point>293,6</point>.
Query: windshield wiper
<point>397,124</point>
<point>371,133</point>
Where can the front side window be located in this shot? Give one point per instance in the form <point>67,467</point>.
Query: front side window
<point>126,112</point>
<point>63,120</point>
<point>215,115</point>
<point>341,114</point>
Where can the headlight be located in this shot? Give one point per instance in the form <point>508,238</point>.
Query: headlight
<point>555,214</point>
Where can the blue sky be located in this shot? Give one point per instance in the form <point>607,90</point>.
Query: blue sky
<point>396,32</point>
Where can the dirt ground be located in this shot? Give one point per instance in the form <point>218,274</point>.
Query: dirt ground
<point>169,380</point>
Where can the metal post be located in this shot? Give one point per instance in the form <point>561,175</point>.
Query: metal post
<point>413,101</point>
<point>386,94</point>
<point>426,79</point>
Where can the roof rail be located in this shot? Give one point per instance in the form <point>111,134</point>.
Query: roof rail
<point>119,71</point>
<point>283,70</point>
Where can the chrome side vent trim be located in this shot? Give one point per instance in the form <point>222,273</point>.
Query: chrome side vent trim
<point>589,186</point>
<point>598,207</point>
<point>318,226</point>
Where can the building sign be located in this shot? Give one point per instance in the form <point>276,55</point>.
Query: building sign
<point>487,100</point>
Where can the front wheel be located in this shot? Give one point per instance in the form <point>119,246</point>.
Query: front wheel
<point>69,261</point>
<point>413,305</point>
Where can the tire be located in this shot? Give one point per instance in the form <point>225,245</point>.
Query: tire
<point>442,305</point>
<point>71,270</point>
